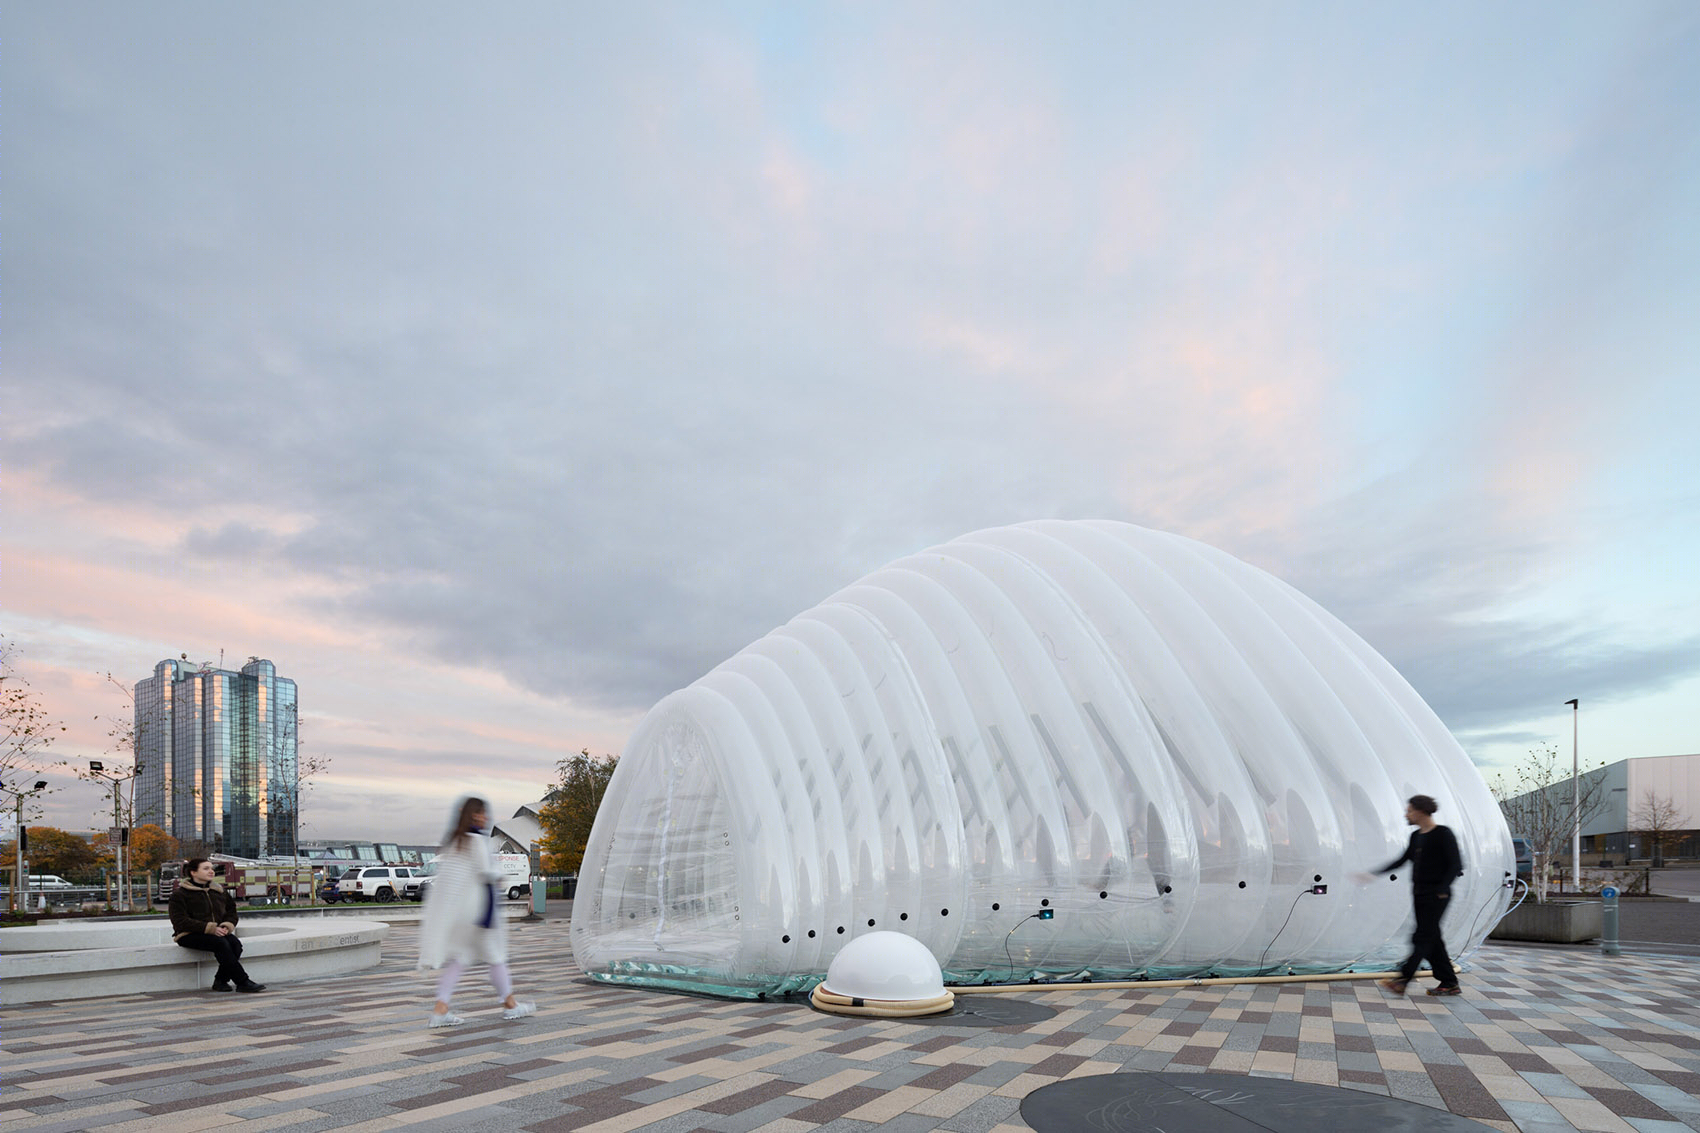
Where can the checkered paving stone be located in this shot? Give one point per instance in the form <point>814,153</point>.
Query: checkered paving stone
<point>1542,1040</point>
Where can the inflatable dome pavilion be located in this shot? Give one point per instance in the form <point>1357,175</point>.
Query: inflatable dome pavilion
<point>1059,750</point>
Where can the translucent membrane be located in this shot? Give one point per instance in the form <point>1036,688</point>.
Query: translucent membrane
<point>1159,746</point>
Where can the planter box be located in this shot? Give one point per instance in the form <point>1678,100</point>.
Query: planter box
<point>1555,922</point>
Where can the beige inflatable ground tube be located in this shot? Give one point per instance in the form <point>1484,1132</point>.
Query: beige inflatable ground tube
<point>1201,981</point>
<point>888,1008</point>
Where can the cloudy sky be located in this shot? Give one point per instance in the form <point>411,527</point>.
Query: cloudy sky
<point>496,371</point>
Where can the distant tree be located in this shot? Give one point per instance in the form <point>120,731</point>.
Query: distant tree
<point>307,769</point>
<point>569,809</point>
<point>1540,804</point>
<point>123,737</point>
<point>52,850</point>
<point>1659,823</point>
<point>195,848</point>
<point>125,734</point>
<point>26,732</point>
<point>150,845</point>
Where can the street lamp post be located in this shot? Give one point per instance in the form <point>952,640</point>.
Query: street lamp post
<point>20,896</point>
<point>120,851</point>
<point>1575,801</point>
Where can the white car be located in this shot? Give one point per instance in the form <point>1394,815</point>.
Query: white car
<point>375,882</point>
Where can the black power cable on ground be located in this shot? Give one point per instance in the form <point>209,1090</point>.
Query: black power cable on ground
<point>1511,882</point>
<point>1041,915</point>
<point>1303,893</point>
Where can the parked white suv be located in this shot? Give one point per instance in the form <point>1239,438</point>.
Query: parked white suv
<point>375,882</point>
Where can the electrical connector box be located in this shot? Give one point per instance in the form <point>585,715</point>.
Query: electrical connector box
<point>1047,914</point>
<point>1319,890</point>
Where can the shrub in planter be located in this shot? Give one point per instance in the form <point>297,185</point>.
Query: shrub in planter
<point>1629,882</point>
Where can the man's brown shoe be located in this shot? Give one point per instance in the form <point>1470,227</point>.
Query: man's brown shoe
<point>1446,989</point>
<point>1396,986</point>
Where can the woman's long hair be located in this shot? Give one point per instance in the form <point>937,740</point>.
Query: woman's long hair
<point>464,822</point>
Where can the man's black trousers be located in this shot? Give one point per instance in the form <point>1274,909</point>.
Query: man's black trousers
<point>1426,943</point>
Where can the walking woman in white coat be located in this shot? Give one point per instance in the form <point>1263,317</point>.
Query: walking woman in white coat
<point>463,920</point>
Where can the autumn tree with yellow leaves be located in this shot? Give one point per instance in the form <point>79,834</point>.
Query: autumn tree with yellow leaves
<point>569,809</point>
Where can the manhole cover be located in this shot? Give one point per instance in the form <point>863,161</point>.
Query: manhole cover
<point>1224,1103</point>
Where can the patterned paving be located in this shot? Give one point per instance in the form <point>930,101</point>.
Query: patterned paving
<point>1544,1040</point>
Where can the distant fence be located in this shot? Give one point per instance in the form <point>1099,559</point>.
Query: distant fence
<point>83,893</point>
<point>561,888</point>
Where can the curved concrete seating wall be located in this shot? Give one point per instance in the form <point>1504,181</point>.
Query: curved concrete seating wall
<point>87,960</point>
<point>74,937</point>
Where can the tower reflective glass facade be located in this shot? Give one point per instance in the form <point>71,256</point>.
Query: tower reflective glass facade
<point>217,756</point>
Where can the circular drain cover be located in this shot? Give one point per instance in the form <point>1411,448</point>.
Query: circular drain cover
<point>1224,1103</point>
<point>979,1011</point>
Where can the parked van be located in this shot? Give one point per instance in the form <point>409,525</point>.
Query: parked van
<point>48,881</point>
<point>515,883</point>
<point>516,875</point>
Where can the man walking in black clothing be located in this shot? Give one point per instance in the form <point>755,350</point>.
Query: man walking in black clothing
<point>1435,862</point>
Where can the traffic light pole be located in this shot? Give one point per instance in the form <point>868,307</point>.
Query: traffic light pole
<point>19,877</point>
<point>120,834</point>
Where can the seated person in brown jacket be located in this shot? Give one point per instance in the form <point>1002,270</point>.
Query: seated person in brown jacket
<point>203,916</point>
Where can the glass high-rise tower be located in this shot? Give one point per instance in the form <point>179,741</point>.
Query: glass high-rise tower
<point>217,756</point>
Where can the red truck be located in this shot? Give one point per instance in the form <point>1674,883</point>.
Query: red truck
<point>246,880</point>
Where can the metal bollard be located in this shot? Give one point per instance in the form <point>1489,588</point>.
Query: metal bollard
<point>539,893</point>
<point>1608,919</point>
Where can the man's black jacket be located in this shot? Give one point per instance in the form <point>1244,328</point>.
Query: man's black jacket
<point>1435,860</point>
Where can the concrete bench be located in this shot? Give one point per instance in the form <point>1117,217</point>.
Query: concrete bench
<point>90,959</point>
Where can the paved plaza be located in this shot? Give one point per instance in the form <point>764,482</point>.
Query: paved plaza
<point>1545,1039</point>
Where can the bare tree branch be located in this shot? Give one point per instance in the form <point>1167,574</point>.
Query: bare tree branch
<point>26,732</point>
<point>1540,804</point>
<point>1659,823</point>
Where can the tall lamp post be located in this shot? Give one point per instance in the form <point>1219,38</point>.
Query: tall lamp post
<point>20,895</point>
<point>120,851</point>
<point>1575,802</point>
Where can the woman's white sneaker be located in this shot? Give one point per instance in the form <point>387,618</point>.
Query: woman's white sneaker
<point>447,1019</point>
<point>520,1011</point>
